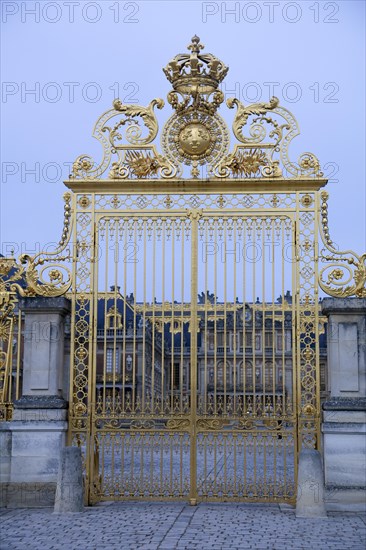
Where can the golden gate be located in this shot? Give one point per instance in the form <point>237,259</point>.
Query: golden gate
<point>194,280</point>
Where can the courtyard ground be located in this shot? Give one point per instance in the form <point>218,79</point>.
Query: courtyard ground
<point>154,525</point>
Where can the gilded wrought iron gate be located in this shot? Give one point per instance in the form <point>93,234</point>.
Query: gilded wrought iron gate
<point>186,327</point>
<point>194,344</point>
<point>194,282</point>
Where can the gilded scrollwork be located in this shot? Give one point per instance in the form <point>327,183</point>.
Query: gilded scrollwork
<point>178,424</point>
<point>142,424</point>
<point>27,276</point>
<point>258,133</point>
<point>270,134</point>
<point>107,132</point>
<point>35,272</point>
<point>134,131</point>
<point>211,423</point>
<point>246,424</point>
<point>345,272</point>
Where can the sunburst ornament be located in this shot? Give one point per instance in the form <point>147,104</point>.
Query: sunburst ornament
<point>195,138</point>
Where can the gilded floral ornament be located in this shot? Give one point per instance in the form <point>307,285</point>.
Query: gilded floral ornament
<point>243,163</point>
<point>82,166</point>
<point>142,164</point>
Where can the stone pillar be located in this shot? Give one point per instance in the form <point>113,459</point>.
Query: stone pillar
<point>69,493</point>
<point>43,345</point>
<point>344,414</point>
<point>39,425</point>
<point>310,486</point>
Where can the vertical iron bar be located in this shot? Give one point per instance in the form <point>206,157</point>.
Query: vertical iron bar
<point>194,326</point>
<point>19,342</point>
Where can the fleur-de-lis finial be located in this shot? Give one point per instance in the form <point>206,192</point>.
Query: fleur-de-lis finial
<point>195,46</point>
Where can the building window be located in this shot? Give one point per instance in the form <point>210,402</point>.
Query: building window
<point>268,340</point>
<point>220,338</point>
<point>220,341</point>
<point>248,339</point>
<point>322,377</point>
<point>249,374</point>
<point>268,374</point>
<point>112,354</point>
<point>114,318</point>
<point>248,381</point>
<point>220,374</point>
<point>280,341</point>
<point>176,374</point>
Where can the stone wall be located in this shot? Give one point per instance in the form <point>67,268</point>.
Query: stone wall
<point>32,441</point>
<point>344,413</point>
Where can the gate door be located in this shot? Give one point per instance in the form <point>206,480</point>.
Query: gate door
<point>246,394</point>
<point>143,350</point>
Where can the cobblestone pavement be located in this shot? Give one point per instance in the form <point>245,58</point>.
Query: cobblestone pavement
<point>148,526</point>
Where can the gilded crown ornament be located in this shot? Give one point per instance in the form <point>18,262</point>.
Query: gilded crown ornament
<point>195,77</point>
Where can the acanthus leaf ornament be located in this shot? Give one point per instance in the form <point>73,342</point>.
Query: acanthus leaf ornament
<point>243,113</point>
<point>147,115</point>
<point>107,131</point>
<point>270,134</point>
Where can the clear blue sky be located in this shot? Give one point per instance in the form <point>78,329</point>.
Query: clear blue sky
<point>76,55</point>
